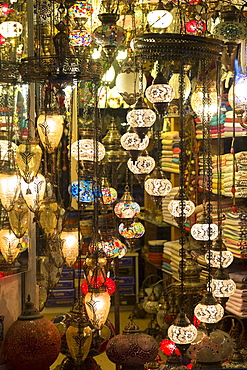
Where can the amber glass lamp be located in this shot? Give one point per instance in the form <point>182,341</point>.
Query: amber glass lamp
<point>9,245</point>
<point>18,217</point>
<point>9,188</point>
<point>70,248</point>
<point>28,157</point>
<point>50,129</point>
<point>48,215</point>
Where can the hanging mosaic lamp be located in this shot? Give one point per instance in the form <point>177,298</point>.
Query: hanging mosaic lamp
<point>69,245</point>
<point>109,195</point>
<point>112,247</point>
<point>209,310</point>
<point>18,217</point>
<point>131,142</point>
<point>50,129</point>
<point>82,190</point>
<point>204,231</point>
<point>178,206</point>
<point>141,118</point>
<point>157,185</point>
<point>133,231</point>
<point>83,150</point>
<point>126,207</point>
<point>79,333</point>
<point>160,94</point>
<point>32,341</point>
<point>182,332</point>
<point>160,17</point>
<point>218,255</point>
<point>97,302</point>
<point>9,245</point>
<point>9,188</point>
<point>28,157</point>
<point>34,192</point>
<point>132,349</point>
<point>109,35</point>
<point>143,165</point>
<point>221,284</point>
<point>204,103</point>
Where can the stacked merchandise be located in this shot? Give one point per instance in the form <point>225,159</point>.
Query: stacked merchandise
<point>237,303</point>
<point>167,217</point>
<point>64,293</point>
<point>155,251</point>
<point>171,251</point>
<point>227,168</point>
<point>170,151</point>
<point>226,207</point>
<point>226,126</point>
<point>235,233</point>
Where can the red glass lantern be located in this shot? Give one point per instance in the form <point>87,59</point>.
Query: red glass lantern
<point>132,349</point>
<point>195,27</point>
<point>32,341</point>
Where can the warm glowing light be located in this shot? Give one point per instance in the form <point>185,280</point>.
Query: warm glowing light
<point>160,93</point>
<point>127,209</point>
<point>127,84</point>
<point>11,29</point>
<point>9,189</point>
<point>70,249</point>
<point>28,157</point>
<point>79,339</point>
<point>97,306</point>
<point>141,117</point>
<point>209,310</point>
<point>174,83</point>
<point>204,103</point>
<point>18,217</point>
<point>144,164</point>
<point>204,231</point>
<point>159,18</point>
<point>182,331</point>
<point>34,192</point>
<point>222,258</point>
<point>179,208</point>
<point>131,141</point>
<point>9,245</point>
<point>83,150</point>
<point>157,185</point>
<point>134,231</point>
<point>221,284</point>
<point>50,129</point>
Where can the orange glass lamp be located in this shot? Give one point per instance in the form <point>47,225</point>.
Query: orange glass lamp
<point>50,129</point>
<point>9,188</point>
<point>98,303</point>
<point>69,239</point>
<point>28,157</point>
<point>9,245</point>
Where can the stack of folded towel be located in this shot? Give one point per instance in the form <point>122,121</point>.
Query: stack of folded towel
<point>170,151</point>
<point>235,233</point>
<point>237,303</point>
<point>171,250</point>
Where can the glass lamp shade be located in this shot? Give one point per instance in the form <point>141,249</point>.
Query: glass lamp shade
<point>97,304</point>
<point>50,129</point>
<point>159,18</point>
<point>9,189</point>
<point>127,84</point>
<point>109,195</point>
<point>144,164</point>
<point>81,9</point>
<point>134,231</point>
<point>112,247</point>
<point>79,341</point>
<point>83,150</point>
<point>209,310</point>
<point>127,209</point>
<point>109,33</point>
<point>151,305</point>
<point>178,207</point>
<point>34,192</point>
<point>28,157</point>
<point>18,217</point>
<point>157,185</point>
<point>239,92</point>
<point>196,27</point>
<point>141,116</point>
<point>222,286</point>
<point>108,76</point>
<point>132,141</point>
<point>174,83</point>
<point>11,29</point>
<point>37,335</point>
<point>48,215</point>
<point>9,245</point>
<point>82,191</point>
<point>230,31</point>
<point>80,38</point>
<point>218,258</point>
<point>182,331</point>
<point>70,247</point>
<point>7,150</point>
<point>207,109</point>
<point>204,231</point>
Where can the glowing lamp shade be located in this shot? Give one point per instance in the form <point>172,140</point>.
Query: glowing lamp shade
<point>209,310</point>
<point>48,215</point>
<point>127,84</point>
<point>97,304</point>
<point>112,247</point>
<point>18,217</point>
<point>108,76</point>
<point>239,91</point>
<point>160,93</point>
<point>141,117</point>
<point>195,27</point>
<point>79,340</point>
<point>221,284</point>
<point>204,231</point>
<point>81,9</point>
<point>218,258</point>
<point>204,104</point>
<point>33,192</point>
<point>109,34</point>
<point>69,239</point>
<point>178,207</point>
<point>80,38</point>
<point>9,189</point>
<point>182,331</point>
<point>134,231</point>
<point>127,209</point>
<point>7,150</point>
<point>11,29</point>
<point>157,185</point>
<point>159,18</point>
<point>9,245</point>
<point>230,31</point>
<point>83,150</point>
<point>174,83</point>
<point>144,164</point>
<point>109,195</point>
<point>82,191</point>
<point>28,157</point>
<point>132,141</point>
<point>50,129</point>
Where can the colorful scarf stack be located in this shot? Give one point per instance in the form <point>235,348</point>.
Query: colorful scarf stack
<point>170,151</point>
<point>235,233</point>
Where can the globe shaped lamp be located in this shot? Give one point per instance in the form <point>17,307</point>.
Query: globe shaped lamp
<point>50,129</point>
<point>133,231</point>
<point>182,332</point>
<point>84,150</point>
<point>132,349</point>
<point>28,157</point>
<point>112,247</point>
<point>160,94</point>
<point>11,29</point>
<point>32,341</point>
<point>132,142</point>
<point>174,83</point>
<point>209,311</point>
<point>230,31</point>
<point>181,206</point>
<point>160,17</point>
<point>143,165</point>
<point>82,191</point>
<point>141,117</point>
<point>204,103</point>
<point>218,255</point>
<point>81,9</point>
<point>109,195</point>
<point>204,231</point>
<point>127,208</point>
<point>222,286</point>
<point>151,304</point>
<point>157,185</point>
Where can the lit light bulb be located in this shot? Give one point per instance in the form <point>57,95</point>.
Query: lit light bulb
<point>34,192</point>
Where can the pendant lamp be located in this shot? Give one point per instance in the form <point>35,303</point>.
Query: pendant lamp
<point>50,129</point>
<point>28,157</point>
<point>9,188</point>
<point>69,245</point>
<point>18,217</point>
<point>9,245</point>
<point>34,192</point>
